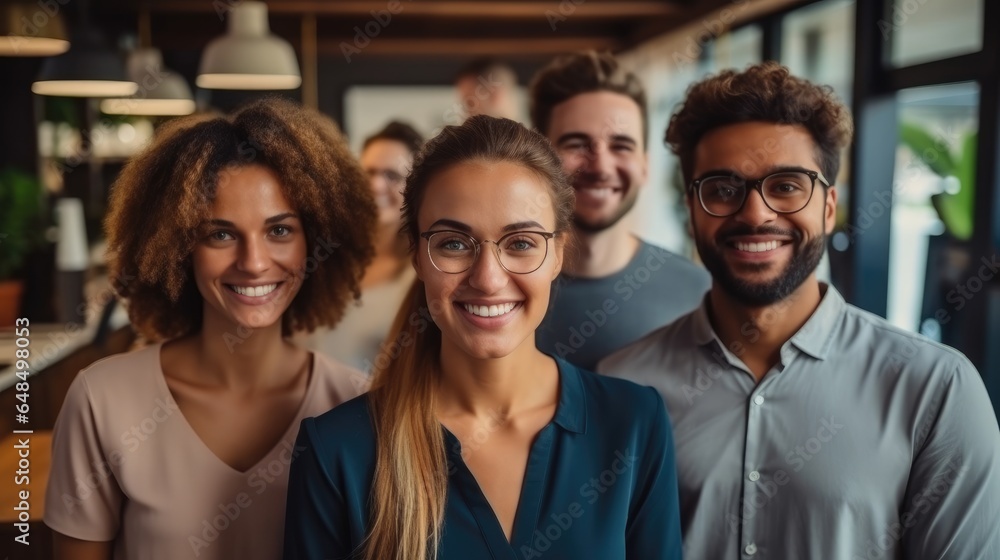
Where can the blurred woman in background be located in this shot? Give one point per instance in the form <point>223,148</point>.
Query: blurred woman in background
<point>386,159</point>
<point>226,236</point>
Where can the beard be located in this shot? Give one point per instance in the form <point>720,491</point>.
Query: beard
<point>805,259</point>
<point>596,226</point>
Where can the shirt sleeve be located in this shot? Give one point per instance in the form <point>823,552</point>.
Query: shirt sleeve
<point>654,529</point>
<point>316,523</point>
<point>83,499</point>
<point>952,502</point>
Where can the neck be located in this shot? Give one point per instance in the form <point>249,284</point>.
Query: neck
<point>602,253</point>
<point>756,333</point>
<point>240,357</point>
<point>495,387</point>
<point>389,257</point>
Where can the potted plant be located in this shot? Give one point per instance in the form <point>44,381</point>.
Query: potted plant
<point>20,232</point>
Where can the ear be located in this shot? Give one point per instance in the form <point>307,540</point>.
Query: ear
<point>559,246</point>
<point>416,265</point>
<point>830,210</point>
<point>644,169</point>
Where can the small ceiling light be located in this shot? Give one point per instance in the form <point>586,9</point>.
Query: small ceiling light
<point>31,29</point>
<point>248,56</point>
<point>161,92</point>
<point>89,69</point>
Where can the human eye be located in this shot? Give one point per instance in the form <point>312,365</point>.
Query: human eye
<point>788,185</point>
<point>626,147</point>
<point>281,231</point>
<point>521,242</point>
<point>219,236</point>
<point>452,243</point>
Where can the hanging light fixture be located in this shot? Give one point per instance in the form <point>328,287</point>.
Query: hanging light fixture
<point>29,29</point>
<point>89,69</point>
<point>248,56</point>
<point>161,92</point>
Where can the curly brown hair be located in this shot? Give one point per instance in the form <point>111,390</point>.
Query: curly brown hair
<point>164,194</point>
<point>583,72</point>
<point>766,92</point>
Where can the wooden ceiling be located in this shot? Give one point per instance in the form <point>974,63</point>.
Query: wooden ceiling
<point>510,28</point>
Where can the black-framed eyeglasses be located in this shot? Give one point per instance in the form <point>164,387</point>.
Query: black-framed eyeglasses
<point>785,192</point>
<point>519,252</point>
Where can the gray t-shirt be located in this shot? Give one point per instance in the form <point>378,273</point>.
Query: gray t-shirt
<point>863,442</point>
<point>589,318</point>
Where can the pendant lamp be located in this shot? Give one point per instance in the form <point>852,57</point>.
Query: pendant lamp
<point>89,69</point>
<point>161,92</point>
<point>29,29</point>
<point>248,56</point>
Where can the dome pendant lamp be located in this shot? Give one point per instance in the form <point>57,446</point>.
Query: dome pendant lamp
<point>248,56</point>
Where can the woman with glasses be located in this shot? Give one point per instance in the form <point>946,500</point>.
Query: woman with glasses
<point>386,158</point>
<point>472,443</point>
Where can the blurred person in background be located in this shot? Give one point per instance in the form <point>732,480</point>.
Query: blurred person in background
<point>226,236</point>
<point>486,86</point>
<point>615,288</point>
<point>386,158</point>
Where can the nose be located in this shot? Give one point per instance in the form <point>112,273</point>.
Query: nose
<point>754,211</point>
<point>254,256</point>
<point>487,274</point>
<point>599,160</point>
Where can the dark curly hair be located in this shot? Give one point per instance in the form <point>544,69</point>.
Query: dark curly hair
<point>583,72</point>
<point>163,195</point>
<point>397,132</point>
<point>763,92</point>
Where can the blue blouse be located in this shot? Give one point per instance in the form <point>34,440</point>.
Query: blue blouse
<point>600,483</point>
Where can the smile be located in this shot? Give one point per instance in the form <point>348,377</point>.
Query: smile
<point>490,310</point>
<point>253,291</point>
<point>758,247</point>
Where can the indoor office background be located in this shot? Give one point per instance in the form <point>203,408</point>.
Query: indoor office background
<point>918,238</point>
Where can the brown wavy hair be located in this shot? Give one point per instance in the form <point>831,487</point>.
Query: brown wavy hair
<point>163,195</point>
<point>765,92</point>
<point>583,72</point>
<point>411,470</point>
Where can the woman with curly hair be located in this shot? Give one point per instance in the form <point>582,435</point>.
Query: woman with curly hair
<point>473,443</point>
<point>226,236</point>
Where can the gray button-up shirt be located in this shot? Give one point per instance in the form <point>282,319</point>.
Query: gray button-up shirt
<point>864,442</point>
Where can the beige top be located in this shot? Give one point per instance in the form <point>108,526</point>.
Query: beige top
<point>358,337</point>
<point>127,466</point>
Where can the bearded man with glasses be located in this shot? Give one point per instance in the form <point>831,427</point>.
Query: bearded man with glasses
<point>805,427</point>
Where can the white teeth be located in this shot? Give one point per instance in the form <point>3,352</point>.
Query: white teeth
<point>254,291</point>
<point>757,247</point>
<point>490,310</point>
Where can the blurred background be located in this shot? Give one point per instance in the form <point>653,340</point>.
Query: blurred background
<point>85,83</point>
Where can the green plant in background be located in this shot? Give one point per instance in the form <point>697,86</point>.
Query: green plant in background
<point>954,209</point>
<point>20,219</point>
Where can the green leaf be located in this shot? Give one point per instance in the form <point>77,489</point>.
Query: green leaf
<point>931,150</point>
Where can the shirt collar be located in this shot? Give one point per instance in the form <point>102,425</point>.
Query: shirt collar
<point>816,336</point>
<point>571,411</point>
<point>813,338</point>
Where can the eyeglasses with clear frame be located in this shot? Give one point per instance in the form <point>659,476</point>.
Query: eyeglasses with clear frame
<point>785,192</point>
<point>518,252</point>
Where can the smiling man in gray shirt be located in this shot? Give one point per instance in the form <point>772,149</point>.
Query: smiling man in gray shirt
<point>805,428</point>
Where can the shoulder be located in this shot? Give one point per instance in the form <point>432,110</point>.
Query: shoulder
<point>652,350</point>
<point>898,349</point>
<point>344,431</point>
<point>345,381</point>
<point>655,257</point>
<point>614,400</point>
<point>121,372</point>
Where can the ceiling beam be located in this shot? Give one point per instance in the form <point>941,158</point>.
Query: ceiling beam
<point>452,9</point>
<point>468,47</point>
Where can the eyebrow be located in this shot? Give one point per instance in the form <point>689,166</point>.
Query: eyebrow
<point>770,170</point>
<point>585,137</point>
<point>459,226</point>
<point>271,220</point>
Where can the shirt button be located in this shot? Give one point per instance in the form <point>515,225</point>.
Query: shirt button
<point>758,400</point>
<point>751,549</point>
<point>754,476</point>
